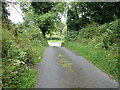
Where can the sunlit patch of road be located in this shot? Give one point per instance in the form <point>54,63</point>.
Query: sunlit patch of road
<point>54,44</point>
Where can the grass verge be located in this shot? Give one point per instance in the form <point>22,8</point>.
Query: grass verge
<point>106,60</point>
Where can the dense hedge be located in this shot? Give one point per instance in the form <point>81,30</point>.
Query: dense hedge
<point>19,53</point>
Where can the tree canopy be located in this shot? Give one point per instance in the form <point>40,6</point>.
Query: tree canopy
<point>48,15</point>
<point>81,13</point>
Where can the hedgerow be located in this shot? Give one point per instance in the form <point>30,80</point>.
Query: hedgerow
<point>21,50</point>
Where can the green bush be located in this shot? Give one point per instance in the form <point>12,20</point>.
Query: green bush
<point>111,34</point>
<point>19,54</point>
<point>89,31</point>
<point>16,74</point>
<point>72,35</point>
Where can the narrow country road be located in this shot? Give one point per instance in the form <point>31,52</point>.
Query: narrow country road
<point>62,68</point>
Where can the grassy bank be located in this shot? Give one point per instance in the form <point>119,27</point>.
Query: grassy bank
<point>104,59</point>
<point>98,44</point>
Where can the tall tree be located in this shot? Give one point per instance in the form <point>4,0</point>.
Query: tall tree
<point>81,13</point>
<point>45,19</point>
<point>75,16</point>
<point>103,12</point>
<point>48,15</point>
<point>5,14</point>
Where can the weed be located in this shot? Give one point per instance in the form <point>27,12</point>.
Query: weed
<point>65,63</point>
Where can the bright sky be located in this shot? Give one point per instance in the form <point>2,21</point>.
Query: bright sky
<point>63,19</point>
<point>14,15</point>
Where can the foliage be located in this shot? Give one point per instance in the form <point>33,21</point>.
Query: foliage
<point>47,16</point>
<point>72,35</point>
<point>5,21</point>
<point>42,8</point>
<point>19,54</point>
<point>5,13</point>
<point>75,19</point>
<point>79,14</point>
<point>99,12</point>
<point>64,31</point>
<point>15,72</point>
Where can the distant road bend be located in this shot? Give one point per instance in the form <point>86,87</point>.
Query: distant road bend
<point>62,68</point>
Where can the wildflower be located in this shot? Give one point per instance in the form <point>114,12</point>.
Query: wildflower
<point>22,54</point>
<point>17,62</point>
<point>39,57</point>
<point>26,67</point>
<point>14,72</point>
<point>22,62</point>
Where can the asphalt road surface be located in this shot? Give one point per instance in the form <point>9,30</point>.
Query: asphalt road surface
<point>62,68</point>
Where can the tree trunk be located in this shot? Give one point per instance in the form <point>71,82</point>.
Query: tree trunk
<point>43,31</point>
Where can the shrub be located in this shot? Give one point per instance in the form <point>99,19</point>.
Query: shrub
<point>16,74</point>
<point>19,53</point>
